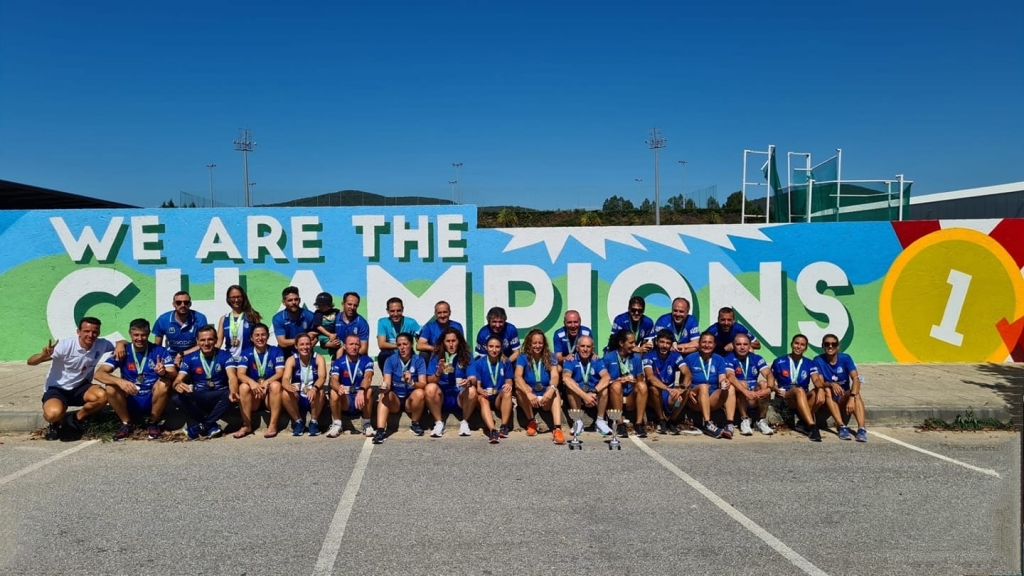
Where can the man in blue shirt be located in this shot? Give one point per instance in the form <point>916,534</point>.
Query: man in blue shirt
<point>205,386</point>
<point>634,320</point>
<point>389,327</point>
<point>726,329</point>
<point>432,330</point>
<point>292,321</point>
<point>499,327</point>
<point>179,326</point>
<point>684,328</point>
<point>350,322</point>
<point>567,337</point>
<point>754,382</point>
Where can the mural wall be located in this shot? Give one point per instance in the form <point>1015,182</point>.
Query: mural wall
<point>928,291</point>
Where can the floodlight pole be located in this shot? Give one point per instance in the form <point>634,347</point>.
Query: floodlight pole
<point>211,167</point>
<point>458,186</point>
<point>656,142</point>
<point>244,144</point>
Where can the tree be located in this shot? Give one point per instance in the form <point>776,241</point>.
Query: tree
<point>590,219</point>
<point>676,203</point>
<point>734,201</point>
<point>691,204</point>
<point>507,218</point>
<point>168,204</point>
<point>647,205</point>
<point>712,203</point>
<point>617,204</point>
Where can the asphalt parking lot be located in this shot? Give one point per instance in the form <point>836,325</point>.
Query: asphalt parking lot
<point>758,505</point>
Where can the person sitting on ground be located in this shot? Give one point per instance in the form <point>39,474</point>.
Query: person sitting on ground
<point>841,381</point>
<point>431,331</point>
<point>498,325</point>
<point>628,385</point>
<point>795,383</point>
<point>536,381</point>
<point>661,366</point>
<point>144,386</point>
<point>205,386</point>
<point>69,381</point>
<point>567,337</point>
<point>587,383</point>
<point>302,388</point>
<point>351,386</point>
<point>403,388</point>
<point>390,327</point>
<point>753,381</point>
<point>684,328</point>
<point>492,376</point>
<point>259,370</point>
<point>710,389</point>
<point>726,329</point>
<point>234,329</point>
<point>448,370</point>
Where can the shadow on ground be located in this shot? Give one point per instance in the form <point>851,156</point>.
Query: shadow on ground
<point>1010,387</point>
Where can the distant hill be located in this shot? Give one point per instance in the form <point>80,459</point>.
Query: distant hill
<point>361,198</point>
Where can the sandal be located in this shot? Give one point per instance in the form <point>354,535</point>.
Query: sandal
<point>270,434</point>
<point>242,432</point>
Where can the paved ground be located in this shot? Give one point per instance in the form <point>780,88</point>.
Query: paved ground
<point>759,505</point>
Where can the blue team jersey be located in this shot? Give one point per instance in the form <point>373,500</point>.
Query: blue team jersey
<point>586,374</point>
<point>537,374</point>
<point>838,372</point>
<point>491,376</point>
<point>448,382</point>
<point>565,344</point>
<point>304,376</point>
<point>243,334</point>
<point>641,332</point>
<point>261,366</point>
<point>746,370</point>
<point>396,367</point>
<point>287,327</point>
<point>688,332</point>
<point>351,372</point>
<point>705,371</point>
<point>178,336</point>
<point>509,340</point>
<point>618,367</point>
<point>432,331</point>
<point>664,368</point>
<point>387,329</point>
<point>209,375</point>
<point>358,326</point>
<point>135,364</point>
<point>722,338</point>
<point>789,372</point>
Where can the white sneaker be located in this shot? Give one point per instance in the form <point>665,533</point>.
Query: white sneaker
<point>577,427</point>
<point>334,431</point>
<point>438,429</point>
<point>602,426</point>
<point>368,430</point>
<point>745,427</point>
<point>463,428</point>
<point>764,428</point>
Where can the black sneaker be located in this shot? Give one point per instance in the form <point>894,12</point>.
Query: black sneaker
<point>640,430</point>
<point>622,431</point>
<point>503,431</point>
<point>379,436</point>
<point>123,432</point>
<point>494,436</point>
<point>673,429</point>
<point>663,427</point>
<point>416,428</point>
<point>53,431</point>
<point>72,428</point>
<point>815,434</point>
<point>802,428</point>
<point>154,431</point>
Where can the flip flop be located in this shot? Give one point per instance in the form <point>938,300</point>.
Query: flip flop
<point>270,434</point>
<point>242,432</point>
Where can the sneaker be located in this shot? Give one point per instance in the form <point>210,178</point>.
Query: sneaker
<point>690,430</point>
<point>640,430</point>
<point>662,427</point>
<point>334,431</point>
<point>314,428</point>
<point>802,428</point>
<point>464,429</point>
<point>193,432</point>
<point>416,428</point>
<point>72,428</point>
<point>123,432</point>
<point>764,428</point>
<point>531,428</point>
<point>844,433</point>
<point>602,427</point>
<point>815,435</point>
<point>503,431</point>
<point>621,431</point>
<point>438,429</point>
<point>862,435</point>
<point>53,431</point>
<point>379,436</point>
<point>728,431</point>
<point>494,436</point>
<point>577,427</point>
<point>559,437</point>
<point>673,429</point>
<point>745,427</point>
<point>711,430</point>
<point>298,427</point>
<point>368,430</point>
<point>214,432</point>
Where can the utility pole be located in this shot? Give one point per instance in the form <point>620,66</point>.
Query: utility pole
<point>244,144</point>
<point>638,187</point>
<point>656,142</point>
<point>458,186</point>
<point>453,183</point>
<point>211,167</point>
<point>683,163</point>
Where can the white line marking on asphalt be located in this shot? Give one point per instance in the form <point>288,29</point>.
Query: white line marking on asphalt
<point>335,532</point>
<point>40,464</point>
<point>776,544</point>
<point>988,471</point>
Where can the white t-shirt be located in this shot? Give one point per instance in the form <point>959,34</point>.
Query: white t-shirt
<point>73,365</point>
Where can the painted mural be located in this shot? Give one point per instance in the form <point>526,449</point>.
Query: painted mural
<point>934,291</point>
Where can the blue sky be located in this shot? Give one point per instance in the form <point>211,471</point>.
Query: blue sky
<point>545,105</point>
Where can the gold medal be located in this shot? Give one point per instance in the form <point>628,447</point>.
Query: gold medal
<point>449,370</point>
<point>235,342</point>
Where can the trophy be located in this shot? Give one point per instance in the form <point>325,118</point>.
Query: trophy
<point>577,428</point>
<point>613,416</point>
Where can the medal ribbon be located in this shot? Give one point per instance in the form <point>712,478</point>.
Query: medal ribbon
<point>140,366</point>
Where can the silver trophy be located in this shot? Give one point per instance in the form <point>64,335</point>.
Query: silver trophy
<point>613,417</point>
<point>576,415</point>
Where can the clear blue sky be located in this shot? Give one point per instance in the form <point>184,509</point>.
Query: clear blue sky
<point>546,106</point>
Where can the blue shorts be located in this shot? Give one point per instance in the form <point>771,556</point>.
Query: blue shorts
<point>627,390</point>
<point>74,397</point>
<point>450,402</point>
<point>668,406</point>
<point>140,404</point>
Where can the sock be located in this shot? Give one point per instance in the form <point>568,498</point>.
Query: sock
<point>336,422</point>
<point>365,422</point>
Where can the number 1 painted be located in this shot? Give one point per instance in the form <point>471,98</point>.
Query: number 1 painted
<point>946,329</point>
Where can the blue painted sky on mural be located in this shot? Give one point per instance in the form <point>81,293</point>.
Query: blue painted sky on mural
<point>545,105</point>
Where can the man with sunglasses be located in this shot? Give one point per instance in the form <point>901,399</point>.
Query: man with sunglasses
<point>634,320</point>
<point>841,381</point>
<point>179,326</point>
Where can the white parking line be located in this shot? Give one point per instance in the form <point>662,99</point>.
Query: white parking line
<point>988,471</point>
<point>15,475</point>
<point>335,532</point>
<point>776,544</point>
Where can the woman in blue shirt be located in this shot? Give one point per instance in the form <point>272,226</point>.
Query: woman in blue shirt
<point>841,382</point>
<point>628,384</point>
<point>448,389</point>
<point>537,384</point>
<point>710,388</point>
<point>405,382</point>
<point>258,370</point>
<point>492,376</point>
<point>234,330</point>
<point>794,382</point>
<point>302,389</point>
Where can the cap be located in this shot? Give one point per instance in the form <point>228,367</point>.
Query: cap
<point>324,298</point>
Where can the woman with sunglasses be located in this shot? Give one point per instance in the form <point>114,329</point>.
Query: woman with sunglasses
<point>841,382</point>
<point>234,329</point>
<point>795,382</point>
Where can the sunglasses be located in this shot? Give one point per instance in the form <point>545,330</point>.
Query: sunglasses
<point>830,344</point>
<point>180,302</point>
<point>637,310</point>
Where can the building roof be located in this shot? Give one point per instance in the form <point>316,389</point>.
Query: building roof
<point>968,193</point>
<point>16,196</point>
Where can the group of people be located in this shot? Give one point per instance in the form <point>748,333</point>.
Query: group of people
<point>667,368</point>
